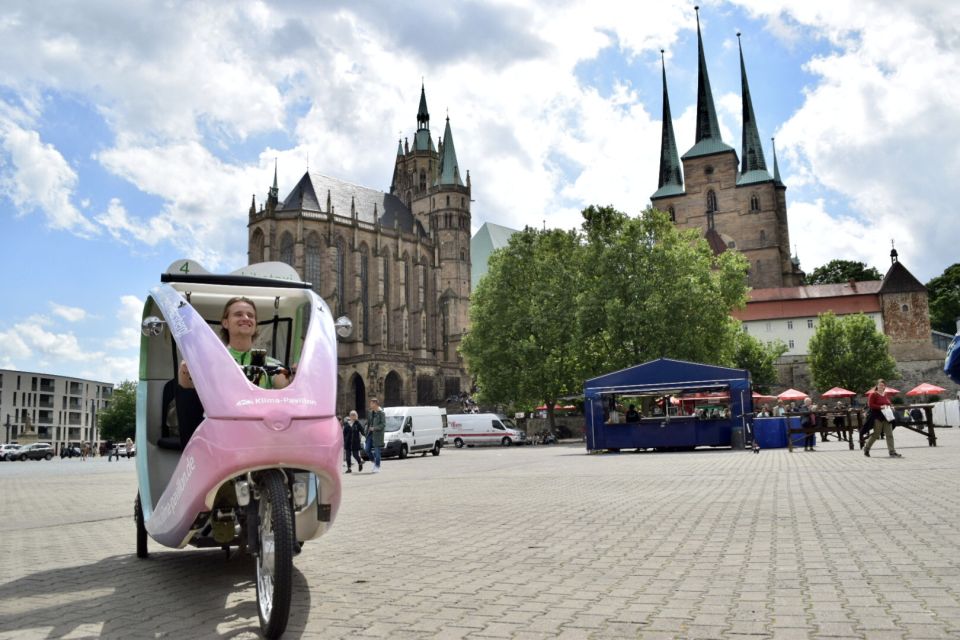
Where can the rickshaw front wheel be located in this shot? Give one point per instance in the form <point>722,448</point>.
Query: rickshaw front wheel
<point>141,528</point>
<point>275,556</point>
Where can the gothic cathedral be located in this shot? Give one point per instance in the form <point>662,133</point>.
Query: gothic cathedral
<point>397,263</point>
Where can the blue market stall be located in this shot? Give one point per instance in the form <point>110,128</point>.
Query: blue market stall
<point>661,379</point>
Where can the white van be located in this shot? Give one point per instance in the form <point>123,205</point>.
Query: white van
<point>483,428</point>
<point>413,430</point>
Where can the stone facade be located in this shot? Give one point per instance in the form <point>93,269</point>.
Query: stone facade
<point>397,264</point>
<point>750,218</point>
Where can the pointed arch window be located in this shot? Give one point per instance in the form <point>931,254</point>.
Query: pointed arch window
<point>339,267</point>
<point>387,306</point>
<point>256,247</point>
<point>312,261</point>
<point>408,284</point>
<point>423,180</point>
<point>286,248</point>
<point>673,214</point>
<point>711,201</point>
<point>754,202</point>
<point>711,223</point>
<point>365,294</point>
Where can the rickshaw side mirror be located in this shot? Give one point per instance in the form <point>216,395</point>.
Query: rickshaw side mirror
<point>152,326</point>
<point>344,326</point>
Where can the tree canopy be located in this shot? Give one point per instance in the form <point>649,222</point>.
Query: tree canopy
<point>849,352</point>
<point>944,291</point>
<point>522,345</point>
<point>558,307</point>
<point>842,271</point>
<point>759,358</point>
<point>119,420</point>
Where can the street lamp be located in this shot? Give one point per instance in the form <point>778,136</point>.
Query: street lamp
<point>7,425</point>
<point>93,422</point>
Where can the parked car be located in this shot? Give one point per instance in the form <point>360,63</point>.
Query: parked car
<point>69,451</point>
<point>7,451</point>
<point>121,450</point>
<point>36,451</point>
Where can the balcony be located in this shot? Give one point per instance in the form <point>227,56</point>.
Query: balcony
<point>76,389</point>
<point>46,385</point>
<point>46,402</point>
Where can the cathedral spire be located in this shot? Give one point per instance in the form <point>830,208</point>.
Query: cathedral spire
<point>671,181</point>
<point>751,148</point>
<point>423,116</point>
<point>708,138</point>
<point>776,167</point>
<point>274,190</point>
<point>449,170</point>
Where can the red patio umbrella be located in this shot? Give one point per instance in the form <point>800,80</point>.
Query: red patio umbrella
<point>838,392</point>
<point>763,398</point>
<point>925,389</point>
<point>889,391</point>
<point>792,394</point>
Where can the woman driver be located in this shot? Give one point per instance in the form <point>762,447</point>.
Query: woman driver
<point>238,328</point>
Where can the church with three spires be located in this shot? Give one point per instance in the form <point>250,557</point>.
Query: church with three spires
<point>396,263</point>
<point>735,201</point>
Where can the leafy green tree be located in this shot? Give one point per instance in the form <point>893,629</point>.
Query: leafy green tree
<point>522,345</point>
<point>119,420</point>
<point>842,271</point>
<point>652,290</point>
<point>759,358</point>
<point>849,352</point>
<point>944,293</point>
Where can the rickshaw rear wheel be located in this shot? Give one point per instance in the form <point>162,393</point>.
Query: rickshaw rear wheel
<point>275,557</point>
<point>141,528</point>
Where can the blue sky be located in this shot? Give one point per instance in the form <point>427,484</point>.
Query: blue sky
<point>131,135</point>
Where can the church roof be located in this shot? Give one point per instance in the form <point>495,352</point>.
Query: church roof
<point>753,161</point>
<point>900,280</point>
<point>449,171</point>
<point>371,205</point>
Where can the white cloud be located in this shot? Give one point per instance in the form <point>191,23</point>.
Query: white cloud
<point>40,179</point>
<point>128,317</point>
<point>70,314</point>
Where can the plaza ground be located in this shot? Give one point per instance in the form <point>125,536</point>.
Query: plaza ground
<point>531,542</point>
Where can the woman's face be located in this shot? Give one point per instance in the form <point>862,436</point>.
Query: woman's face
<point>241,319</point>
<point>881,386</point>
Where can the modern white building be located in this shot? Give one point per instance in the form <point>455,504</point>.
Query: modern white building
<point>50,408</point>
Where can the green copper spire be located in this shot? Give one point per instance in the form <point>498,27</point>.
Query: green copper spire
<point>423,116</point>
<point>753,166</point>
<point>449,170</point>
<point>708,140</point>
<point>399,147</point>
<point>776,167</point>
<point>671,181</point>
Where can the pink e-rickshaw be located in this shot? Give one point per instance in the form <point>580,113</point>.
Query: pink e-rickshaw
<point>261,473</point>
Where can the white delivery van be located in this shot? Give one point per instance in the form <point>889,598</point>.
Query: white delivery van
<point>483,428</point>
<point>413,430</point>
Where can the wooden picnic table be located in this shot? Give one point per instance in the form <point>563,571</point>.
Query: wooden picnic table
<point>825,423</point>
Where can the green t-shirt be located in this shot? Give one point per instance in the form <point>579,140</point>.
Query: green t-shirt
<point>243,358</point>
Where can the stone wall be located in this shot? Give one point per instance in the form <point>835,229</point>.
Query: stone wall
<point>794,372</point>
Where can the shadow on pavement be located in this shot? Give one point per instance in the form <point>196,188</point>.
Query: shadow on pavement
<point>187,593</point>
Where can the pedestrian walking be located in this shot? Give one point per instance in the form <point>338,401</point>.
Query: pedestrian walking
<point>881,414</point>
<point>376,424</point>
<point>352,430</point>
<point>808,421</point>
<point>128,447</point>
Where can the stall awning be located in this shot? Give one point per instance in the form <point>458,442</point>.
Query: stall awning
<point>665,377</point>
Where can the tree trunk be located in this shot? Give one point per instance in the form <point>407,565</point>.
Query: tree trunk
<point>550,405</point>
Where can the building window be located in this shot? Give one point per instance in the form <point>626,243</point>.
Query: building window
<point>809,323</point>
<point>904,308</point>
<point>790,324</point>
<point>673,214</point>
<point>448,201</point>
<point>286,248</point>
<point>711,201</point>
<point>312,262</point>
<point>463,203</point>
<point>758,266</point>
<point>791,345</point>
<point>386,294</point>
<point>364,294</point>
<point>408,284</point>
<point>763,236</point>
<point>423,180</point>
<point>754,202</point>
<point>339,267</point>
<point>463,257</point>
<point>710,220</point>
<point>708,170</point>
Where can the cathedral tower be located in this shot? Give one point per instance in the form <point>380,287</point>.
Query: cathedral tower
<point>737,204</point>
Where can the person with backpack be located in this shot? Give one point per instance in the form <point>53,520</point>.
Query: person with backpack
<point>881,414</point>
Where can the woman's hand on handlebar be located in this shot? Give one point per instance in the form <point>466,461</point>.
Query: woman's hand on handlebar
<point>183,376</point>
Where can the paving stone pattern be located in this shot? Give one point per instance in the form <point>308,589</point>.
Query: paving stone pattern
<point>533,542</point>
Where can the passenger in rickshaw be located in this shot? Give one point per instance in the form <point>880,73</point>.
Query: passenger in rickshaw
<point>238,329</point>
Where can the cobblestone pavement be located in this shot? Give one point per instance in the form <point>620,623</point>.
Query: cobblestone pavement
<point>534,542</point>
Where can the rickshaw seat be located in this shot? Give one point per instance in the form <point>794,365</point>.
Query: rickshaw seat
<point>171,443</point>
